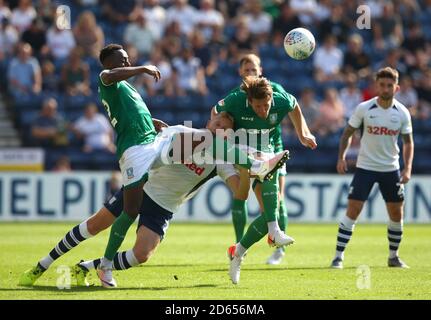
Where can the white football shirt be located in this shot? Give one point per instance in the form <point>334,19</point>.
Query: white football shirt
<point>171,185</point>
<point>381,127</point>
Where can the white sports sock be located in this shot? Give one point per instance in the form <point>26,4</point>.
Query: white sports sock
<point>105,263</point>
<point>345,231</point>
<point>84,230</point>
<point>240,250</point>
<point>273,228</point>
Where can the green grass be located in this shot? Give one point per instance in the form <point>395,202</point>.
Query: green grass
<point>191,263</point>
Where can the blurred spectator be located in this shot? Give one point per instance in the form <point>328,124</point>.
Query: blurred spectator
<point>60,42</point>
<point>95,129</point>
<point>393,59</point>
<point>118,12</point>
<point>286,21</point>
<point>46,10</point>
<point>328,60</point>
<point>258,22</point>
<point>189,76</point>
<point>203,52</point>
<point>414,41</point>
<point>424,94</point>
<point>156,18</point>
<point>407,95</point>
<point>350,95</point>
<point>337,24</point>
<point>35,35</point>
<point>331,115</point>
<point>370,90</point>
<point>164,85</point>
<point>75,75</point>
<point>388,29</point>
<point>355,59</point>
<point>173,40</point>
<point>88,35</point>
<point>8,38</point>
<point>242,38</point>
<point>323,11</point>
<point>309,107</point>
<point>23,15</point>
<point>306,10</point>
<point>139,34</point>
<point>376,7</point>
<point>24,73</point>
<point>50,80</point>
<point>208,19</point>
<point>184,14</point>
<point>62,165</point>
<point>49,129</point>
<point>5,12</point>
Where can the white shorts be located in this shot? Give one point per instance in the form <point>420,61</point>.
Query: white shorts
<point>136,161</point>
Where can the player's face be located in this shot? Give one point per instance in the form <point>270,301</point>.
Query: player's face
<point>386,88</point>
<point>261,106</point>
<point>121,59</point>
<point>250,69</point>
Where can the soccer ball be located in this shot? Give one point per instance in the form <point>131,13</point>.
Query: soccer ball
<point>299,43</point>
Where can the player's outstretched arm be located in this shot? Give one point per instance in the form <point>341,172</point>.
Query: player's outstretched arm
<point>124,73</point>
<point>345,141</point>
<point>301,128</point>
<point>408,151</point>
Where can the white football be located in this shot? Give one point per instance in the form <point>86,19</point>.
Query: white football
<point>299,43</point>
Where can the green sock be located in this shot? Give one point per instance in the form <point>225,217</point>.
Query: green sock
<point>270,198</point>
<point>118,232</point>
<point>256,231</point>
<point>224,150</point>
<point>239,217</point>
<point>282,217</point>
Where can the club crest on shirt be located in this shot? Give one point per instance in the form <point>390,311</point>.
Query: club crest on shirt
<point>273,118</point>
<point>129,172</point>
<point>394,119</point>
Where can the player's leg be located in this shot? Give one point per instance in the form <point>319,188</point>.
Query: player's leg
<point>278,254</point>
<point>153,223</point>
<point>81,232</point>
<point>240,186</point>
<point>360,188</point>
<point>135,164</point>
<point>393,194</point>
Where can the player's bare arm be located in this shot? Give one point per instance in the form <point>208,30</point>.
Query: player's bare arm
<point>159,124</point>
<point>304,135</point>
<point>408,151</point>
<point>345,141</point>
<point>124,73</point>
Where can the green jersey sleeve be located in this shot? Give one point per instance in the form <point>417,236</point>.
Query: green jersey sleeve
<point>228,103</point>
<point>278,141</point>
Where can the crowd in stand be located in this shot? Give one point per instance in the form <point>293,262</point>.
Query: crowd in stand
<point>49,73</point>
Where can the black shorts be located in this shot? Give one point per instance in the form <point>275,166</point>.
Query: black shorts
<point>151,214</point>
<point>389,185</point>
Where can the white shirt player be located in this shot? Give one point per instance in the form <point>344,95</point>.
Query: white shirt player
<point>379,149</point>
<point>172,185</point>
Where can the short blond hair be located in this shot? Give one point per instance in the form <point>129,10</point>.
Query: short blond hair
<point>249,58</point>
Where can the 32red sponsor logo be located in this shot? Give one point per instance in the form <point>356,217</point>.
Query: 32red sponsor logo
<point>382,131</point>
<point>195,168</point>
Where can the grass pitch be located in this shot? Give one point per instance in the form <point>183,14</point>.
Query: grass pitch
<point>191,263</point>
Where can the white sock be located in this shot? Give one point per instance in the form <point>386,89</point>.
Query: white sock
<point>84,230</point>
<point>105,263</point>
<point>273,228</point>
<point>240,250</point>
